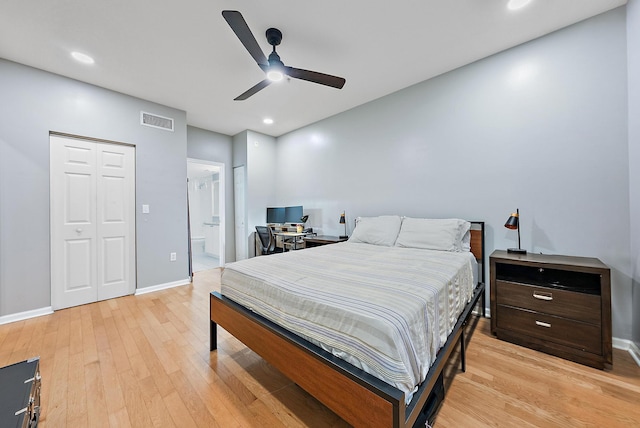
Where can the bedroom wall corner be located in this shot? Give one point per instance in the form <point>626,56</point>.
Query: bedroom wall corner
<point>261,184</point>
<point>633,67</point>
<point>257,152</point>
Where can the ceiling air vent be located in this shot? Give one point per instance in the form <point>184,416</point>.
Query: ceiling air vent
<point>155,121</point>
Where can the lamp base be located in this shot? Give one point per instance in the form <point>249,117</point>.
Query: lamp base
<point>516,250</point>
<point>343,237</point>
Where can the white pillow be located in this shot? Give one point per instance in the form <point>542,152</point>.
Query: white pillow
<point>382,230</point>
<point>433,234</point>
<point>466,241</point>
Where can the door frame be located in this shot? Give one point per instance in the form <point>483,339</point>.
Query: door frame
<point>240,212</point>
<point>221,204</point>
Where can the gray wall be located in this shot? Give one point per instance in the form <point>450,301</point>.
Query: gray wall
<point>541,127</point>
<point>32,104</point>
<point>258,153</point>
<point>633,49</point>
<point>214,147</point>
<point>261,173</point>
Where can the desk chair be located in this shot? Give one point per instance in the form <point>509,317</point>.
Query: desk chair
<point>267,240</point>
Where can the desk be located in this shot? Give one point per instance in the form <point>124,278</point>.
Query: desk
<point>290,235</point>
<point>316,241</point>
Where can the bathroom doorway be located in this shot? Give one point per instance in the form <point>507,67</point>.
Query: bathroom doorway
<point>205,181</point>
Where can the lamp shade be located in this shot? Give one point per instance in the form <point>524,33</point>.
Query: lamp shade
<point>342,219</point>
<point>512,221</point>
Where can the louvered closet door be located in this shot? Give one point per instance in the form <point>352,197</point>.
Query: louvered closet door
<point>92,221</point>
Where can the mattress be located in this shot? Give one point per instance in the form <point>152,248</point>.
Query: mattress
<point>386,310</point>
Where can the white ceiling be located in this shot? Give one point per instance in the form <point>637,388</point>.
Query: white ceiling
<point>184,55</point>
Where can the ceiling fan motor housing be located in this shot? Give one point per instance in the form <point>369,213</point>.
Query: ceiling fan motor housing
<point>274,36</point>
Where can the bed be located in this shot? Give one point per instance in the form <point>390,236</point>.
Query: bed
<point>317,315</point>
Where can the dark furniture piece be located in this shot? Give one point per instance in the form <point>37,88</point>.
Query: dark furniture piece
<point>267,240</point>
<point>358,397</point>
<point>20,394</point>
<point>316,241</point>
<point>560,305</point>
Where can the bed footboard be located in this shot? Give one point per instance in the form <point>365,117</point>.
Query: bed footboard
<point>358,397</point>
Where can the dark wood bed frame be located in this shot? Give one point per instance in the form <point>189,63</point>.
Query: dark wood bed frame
<point>358,397</point>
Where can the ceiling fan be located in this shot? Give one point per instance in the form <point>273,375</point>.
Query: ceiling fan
<point>273,67</point>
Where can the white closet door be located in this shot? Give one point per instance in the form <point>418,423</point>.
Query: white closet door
<point>73,224</point>
<point>92,221</point>
<point>115,220</point>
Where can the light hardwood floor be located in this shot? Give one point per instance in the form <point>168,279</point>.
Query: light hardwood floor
<point>144,361</point>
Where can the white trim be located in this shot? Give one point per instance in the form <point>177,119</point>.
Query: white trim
<point>221,202</point>
<point>629,346</point>
<point>159,287</point>
<point>26,315</point>
<point>634,350</point>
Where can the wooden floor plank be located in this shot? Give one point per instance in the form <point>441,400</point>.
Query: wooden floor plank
<point>144,361</point>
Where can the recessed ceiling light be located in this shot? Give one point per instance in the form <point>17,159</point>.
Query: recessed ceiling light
<point>268,121</point>
<point>517,4</point>
<point>83,58</point>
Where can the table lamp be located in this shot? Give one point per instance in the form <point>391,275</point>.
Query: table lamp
<point>343,221</point>
<point>513,222</point>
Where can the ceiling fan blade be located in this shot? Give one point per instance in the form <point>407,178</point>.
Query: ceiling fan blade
<point>240,27</point>
<point>253,90</point>
<point>315,77</point>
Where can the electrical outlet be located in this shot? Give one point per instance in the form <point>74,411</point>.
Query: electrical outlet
<point>173,257</point>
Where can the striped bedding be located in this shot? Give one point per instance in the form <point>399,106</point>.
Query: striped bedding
<point>386,310</point>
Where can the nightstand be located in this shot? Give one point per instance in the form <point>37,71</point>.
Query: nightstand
<point>560,305</point>
<point>316,241</point>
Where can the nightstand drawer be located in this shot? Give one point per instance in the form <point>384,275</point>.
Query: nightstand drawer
<point>582,336</point>
<point>567,304</point>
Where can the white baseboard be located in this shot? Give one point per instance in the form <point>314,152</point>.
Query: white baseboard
<point>6,319</point>
<point>629,346</point>
<point>26,315</point>
<point>634,350</point>
<point>159,287</point>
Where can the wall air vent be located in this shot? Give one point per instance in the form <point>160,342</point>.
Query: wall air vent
<point>155,121</point>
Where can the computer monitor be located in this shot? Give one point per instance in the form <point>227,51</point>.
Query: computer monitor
<point>281,215</point>
<point>293,214</point>
<point>276,215</point>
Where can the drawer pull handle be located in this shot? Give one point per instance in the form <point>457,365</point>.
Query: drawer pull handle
<point>542,296</point>
<point>543,324</point>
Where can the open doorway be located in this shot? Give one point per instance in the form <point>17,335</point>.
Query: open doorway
<point>206,214</point>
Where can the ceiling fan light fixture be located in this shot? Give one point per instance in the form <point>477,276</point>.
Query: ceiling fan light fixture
<point>517,4</point>
<point>275,74</point>
<point>83,58</point>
